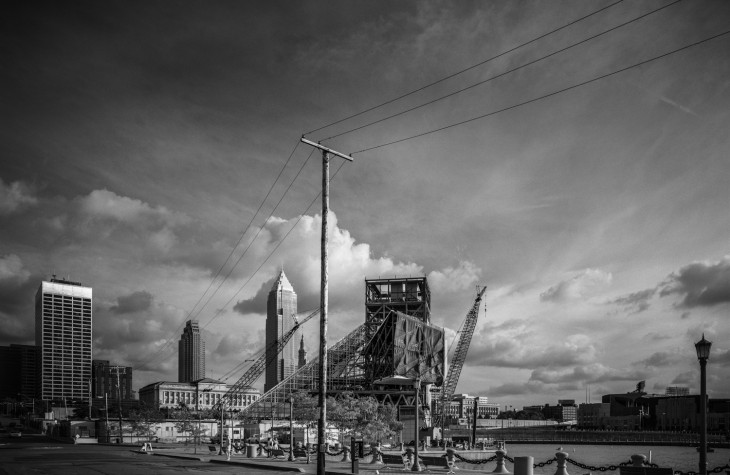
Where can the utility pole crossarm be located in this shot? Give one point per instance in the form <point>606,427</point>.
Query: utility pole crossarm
<point>326,149</point>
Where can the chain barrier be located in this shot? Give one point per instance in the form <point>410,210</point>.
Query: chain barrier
<point>368,454</point>
<point>335,454</point>
<point>475,462</point>
<point>718,469</point>
<point>546,462</point>
<point>609,468</point>
<point>508,458</point>
<point>591,468</point>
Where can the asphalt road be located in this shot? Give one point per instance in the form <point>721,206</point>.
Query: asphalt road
<point>37,455</point>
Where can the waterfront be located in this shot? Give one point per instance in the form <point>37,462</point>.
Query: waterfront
<point>678,458</point>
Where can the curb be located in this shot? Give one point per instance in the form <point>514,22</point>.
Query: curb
<point>260,466</point>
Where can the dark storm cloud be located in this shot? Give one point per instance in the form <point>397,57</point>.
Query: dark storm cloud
<point>702,284</point>
<point>134,302</point>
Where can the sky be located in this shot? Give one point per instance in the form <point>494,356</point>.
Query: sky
<point>151,150</point>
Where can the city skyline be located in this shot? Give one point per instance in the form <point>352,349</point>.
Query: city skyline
<point>137,152</point>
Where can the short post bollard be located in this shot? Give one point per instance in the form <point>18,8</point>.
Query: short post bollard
<point>423,447</point>
<point>451,460</point>
<point>638,460</point>
<point>500,462</point>
<point>409,457</point>
<point>524,465</point>
<point>562,465</point>
<point>346,457</point>
<point>376,455</point>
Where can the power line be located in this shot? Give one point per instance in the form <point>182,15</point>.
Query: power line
<point>281,241</point>
<point>411,109</point>
<point>445,78</point>
<point>258,232</point>
<point>603,76</point>
<point>170,340</point>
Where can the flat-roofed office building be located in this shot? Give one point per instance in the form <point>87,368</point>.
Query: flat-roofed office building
<point>63,337</point>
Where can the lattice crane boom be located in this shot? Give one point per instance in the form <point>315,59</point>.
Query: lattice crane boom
<point>259,365</point>
<point>462,347</point>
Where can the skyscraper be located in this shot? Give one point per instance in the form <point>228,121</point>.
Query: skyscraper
<point>302,354</point>
<point>63,336</point>
<point>191,354</point>
<point>280,311</point>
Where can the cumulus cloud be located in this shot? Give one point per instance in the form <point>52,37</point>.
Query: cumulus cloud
<point>350,263</point>
<point>702,284</point>
<point>134,302</point>
<point>579,287</point>
<point>15,196</point>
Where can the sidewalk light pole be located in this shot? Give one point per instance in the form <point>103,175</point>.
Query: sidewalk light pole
<point>323,303</point>
<point>703,353</point>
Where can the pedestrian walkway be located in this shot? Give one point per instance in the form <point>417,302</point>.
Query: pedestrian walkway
<point>334,465</point>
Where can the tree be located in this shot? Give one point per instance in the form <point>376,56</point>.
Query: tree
<point>144,421</point>
<point>364,417</point>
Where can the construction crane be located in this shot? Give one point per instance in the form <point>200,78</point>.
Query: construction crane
<point>462,347</point>
<point>266,358</point>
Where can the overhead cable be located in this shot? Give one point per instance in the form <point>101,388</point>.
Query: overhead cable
<point>501,74</point>
<point>539,98</point>
<point>461,71</point>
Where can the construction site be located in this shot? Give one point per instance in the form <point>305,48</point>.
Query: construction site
<point>396,356</point>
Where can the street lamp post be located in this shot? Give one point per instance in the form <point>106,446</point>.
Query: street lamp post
<point>416,467</point>
<point>703,353</point>
<point>291,428</point>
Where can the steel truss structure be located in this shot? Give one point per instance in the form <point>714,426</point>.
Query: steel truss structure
<point>400,346</point>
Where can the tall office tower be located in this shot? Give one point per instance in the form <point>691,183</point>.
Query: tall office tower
<point>191,354</point>
<point>112,380</point>
<point>280,311</point>
<point>63,336</point>
<point>302,354</point>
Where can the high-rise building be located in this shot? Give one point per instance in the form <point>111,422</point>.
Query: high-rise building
<point>302,354</point>
<point>115,381</point>
<point>63,336</point>
<point>280,311</point>
<point>191,354</point>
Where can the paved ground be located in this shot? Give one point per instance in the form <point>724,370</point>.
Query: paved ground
<point>38,455</point>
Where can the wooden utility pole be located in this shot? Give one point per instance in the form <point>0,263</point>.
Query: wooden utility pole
<point>323,303</point>
<point>119,404</point>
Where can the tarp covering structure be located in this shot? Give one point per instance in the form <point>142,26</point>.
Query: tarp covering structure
<point>406,347</point>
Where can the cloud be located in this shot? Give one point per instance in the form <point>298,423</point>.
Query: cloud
<point>134,302</point>
<point>514,345</point>
<point>579,287</point>
<point>639,301</point>
<point>11,270</point>
<point>257,303</point>
<point>592,373</point>
<point>662,359</point>
<point>15,196</point>
<point>517,389</point>
<point>703,284</point>
<point>688,377</point>
<point>350,263</point>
